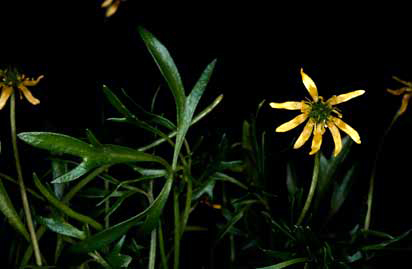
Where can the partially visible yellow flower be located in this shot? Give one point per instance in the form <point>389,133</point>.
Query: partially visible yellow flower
<point>407,94</point>
<point>319,116</point>
<point>111,6</point>
<point>11,80</point>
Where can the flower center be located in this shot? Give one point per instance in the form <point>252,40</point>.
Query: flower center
<point>320,111</point>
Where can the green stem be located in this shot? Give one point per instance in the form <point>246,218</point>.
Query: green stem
<point>162,247</point>
<point>152,252</point>
<point>312,189</point>
<point>23,193</point>
<point>177,230</point>
<point>368,216</point>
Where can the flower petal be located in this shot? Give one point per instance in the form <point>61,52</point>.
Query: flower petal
<point>404,105</point>
<point>112,8</point>
<point>347,129</point>
<point>310,85</point>
<point>106,3</point>
<point>317,138</point>
<point>28,95</point>
<point>334,100</point>
<point>336,137</point>
<point>292,123</point>
<point>5,94</point>
<point>397,92</point>
<point>304,136</point>
<point>32,82</point>
<point>287,105</point>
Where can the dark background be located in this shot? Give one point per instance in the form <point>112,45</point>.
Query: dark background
<point>83,50</point>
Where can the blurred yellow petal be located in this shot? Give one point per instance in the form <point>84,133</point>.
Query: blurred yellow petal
<point>28,95</point>
<point>334,100</point>
<point>107,3</point>
<point>336,137</point>
<point>317,138</point>
<point>287,105</point>
<point>404,105</point>
<point>112,8</point>
<point>32,82</point>
<point>396,92</point>
<point>310,85</point>
<point>5,94</point>
<point>347,129</point>
<point>292,123</point>
<point>304,136</point>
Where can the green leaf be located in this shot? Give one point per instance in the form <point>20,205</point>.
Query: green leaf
<point>190,107</point>
<point>93,156</point>
<point>92,138</point>
<point>285,263</point>
<point>384,244</point>
<point>129,117</point>
<point>238,216</point>
<point>55,142</point>
<point>62,227</point>
<point>168,69</point>
<point>226,178</point>
<point>111,234</point>
<point>341,191</point>
<point>328,170</point>
<point>116,259</point>
<point>291,180</point>
<point>63,207</point>
<point>7,208</point>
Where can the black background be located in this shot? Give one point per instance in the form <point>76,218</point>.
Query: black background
<point>81,50</point>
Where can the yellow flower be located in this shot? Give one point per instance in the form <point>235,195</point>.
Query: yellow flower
<point>111,6</point>
<point>407,94</point>
<point>319,115</point>
<point>11,80</point>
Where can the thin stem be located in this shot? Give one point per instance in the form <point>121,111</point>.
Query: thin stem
<point>312,189</point>
<point>177,229</point>
<point>162,247</point>
<point>152,251</point>
<point>368,216</point>
<point>23,193</point>
<point>106,206</point>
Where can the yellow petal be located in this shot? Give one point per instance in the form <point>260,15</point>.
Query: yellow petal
<point>396,92</point>
<point>310,85</point>
<point>336,137</point>
<point>287,105</point>
<point>5,94</point>
<point>106,3</point>
<point>404,105</point>
<point>292,123</point>
<point>347,129</point>
<point>304,136</point>
<point>334,100</point>
<point>317,138</point>
<point>112,9</point>
<point>28,95</point>
<point>32,82</point>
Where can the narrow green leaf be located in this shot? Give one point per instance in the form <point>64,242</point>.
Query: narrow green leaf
<point>341,191</point>
<point>7,208</point>
<point>190,107</point>
<point>92,138</point>
<point>238,216</point>
<point>57,143</point>
<point>111,234</point>
<point>291,180</point>
<point>285,263</point>
<point>115,258</point>
<point>75,173</point>
<point>63,207</point>
<point>168,69</point>
<point>117,104</point>
<point>62,227</point>
<point>224,177</point>
<point>154,118</point>
<point>387,242</point>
